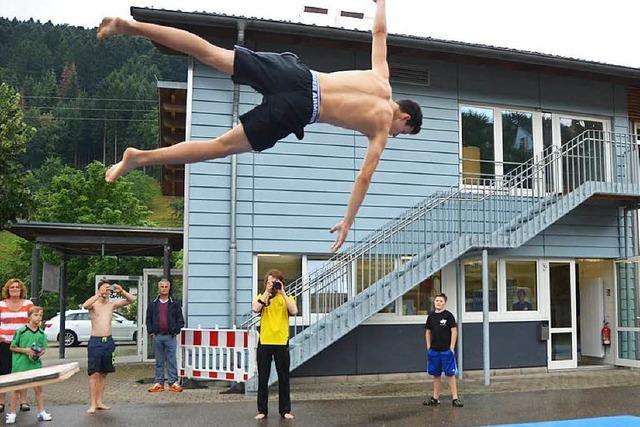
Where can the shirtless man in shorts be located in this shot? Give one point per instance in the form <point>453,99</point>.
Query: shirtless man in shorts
<point>294,96</point>
<point>101,346</point>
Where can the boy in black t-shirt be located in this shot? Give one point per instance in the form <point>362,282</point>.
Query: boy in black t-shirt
<point>440,336</point>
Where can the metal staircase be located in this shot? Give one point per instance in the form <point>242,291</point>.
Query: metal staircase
<point>504,212</point>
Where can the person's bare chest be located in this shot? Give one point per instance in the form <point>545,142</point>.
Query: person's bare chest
<point>101,314</point>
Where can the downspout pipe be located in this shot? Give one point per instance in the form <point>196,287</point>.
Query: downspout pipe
<point>233,211</point>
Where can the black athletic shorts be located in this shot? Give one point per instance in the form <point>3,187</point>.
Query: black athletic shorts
<point>100,355</point>
<point>286,85</point>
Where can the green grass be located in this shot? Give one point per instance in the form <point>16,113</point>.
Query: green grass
<point>8,244</point>
<point>162,213</point>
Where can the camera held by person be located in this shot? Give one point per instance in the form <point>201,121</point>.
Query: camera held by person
<point>37,350</point>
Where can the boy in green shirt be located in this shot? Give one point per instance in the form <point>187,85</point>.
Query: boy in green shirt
<point>28,345</point>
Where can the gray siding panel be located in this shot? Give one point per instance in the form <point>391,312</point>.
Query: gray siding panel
<point>589,231</point>
<point>485,84</point>
<point>358,352</point>
<point>507,351</point>
<point>569,94</point>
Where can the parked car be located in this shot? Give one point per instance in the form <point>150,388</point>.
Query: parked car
<point>78,328</point>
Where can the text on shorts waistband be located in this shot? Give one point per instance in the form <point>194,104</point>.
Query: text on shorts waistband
<point>315,97</point>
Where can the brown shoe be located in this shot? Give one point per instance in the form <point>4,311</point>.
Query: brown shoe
<point>175,387</point>
<point>156,388</point>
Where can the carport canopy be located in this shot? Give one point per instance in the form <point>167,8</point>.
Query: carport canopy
<point>93,240</point>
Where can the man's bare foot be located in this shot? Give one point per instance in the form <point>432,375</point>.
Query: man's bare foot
<point>91,411</point>
<point>125,165</point>
<point>103,407</point>
<point>288,416</point>
<point>260,417</point>
<point>110,27</point>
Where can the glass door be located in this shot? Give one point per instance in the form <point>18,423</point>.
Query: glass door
<point>562,344</point>
<point>586,161</point>
<point>627,333</point>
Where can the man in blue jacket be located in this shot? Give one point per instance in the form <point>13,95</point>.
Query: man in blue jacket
<point>164,321</point>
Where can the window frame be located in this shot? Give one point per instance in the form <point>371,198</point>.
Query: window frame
<point>502,314</point>
<point>498,143</point>
<point>379,318</point>
<point>538,143</point>
<point>467,315</point>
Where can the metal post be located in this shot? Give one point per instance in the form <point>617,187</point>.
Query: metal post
<point>35,274</point>
<point>485,317</point>
<point>63,305</point>
<point>459,308</point>
<point>233,211</point>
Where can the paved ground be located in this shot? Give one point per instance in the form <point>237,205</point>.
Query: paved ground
<point>124,386</point>
<point>480,409</point>
<point>80,352</point>
<point>360,401</point>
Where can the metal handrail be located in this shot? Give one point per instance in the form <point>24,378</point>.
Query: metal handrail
<point>491,211</point>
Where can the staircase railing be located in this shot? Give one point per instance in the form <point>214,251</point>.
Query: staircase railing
<point>504,211</point>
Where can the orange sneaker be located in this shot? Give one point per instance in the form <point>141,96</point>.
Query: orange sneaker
<point>156,388</point>
<point>175,387</point>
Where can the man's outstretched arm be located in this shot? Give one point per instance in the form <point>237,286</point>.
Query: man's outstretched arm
<point>360,187</point>
<point>379,43</point>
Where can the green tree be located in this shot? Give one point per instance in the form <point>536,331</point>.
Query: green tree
<point>74,196</point>
<point>15,198</point>
<point>77,197</point>
<point>41,178</point>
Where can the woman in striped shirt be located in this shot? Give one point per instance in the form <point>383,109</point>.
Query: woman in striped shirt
<point>14,309</point>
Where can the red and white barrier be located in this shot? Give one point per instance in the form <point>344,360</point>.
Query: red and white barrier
<point>217,354</point>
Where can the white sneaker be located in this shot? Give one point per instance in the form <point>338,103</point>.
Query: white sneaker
<point>10,418</point>
<point>44,416</point>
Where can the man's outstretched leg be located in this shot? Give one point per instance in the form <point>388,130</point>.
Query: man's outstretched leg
<point>232,142</point>
<point>173,38</point>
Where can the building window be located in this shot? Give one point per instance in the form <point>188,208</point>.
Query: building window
<point>522,285</point>
<point>473,286</point>
<point>419,300</point>
<point>517,140</point>
<point>478,151</point>
<point>495,141</point>
<point>289,265</point>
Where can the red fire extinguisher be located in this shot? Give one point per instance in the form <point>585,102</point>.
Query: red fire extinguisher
<point>606,334</point>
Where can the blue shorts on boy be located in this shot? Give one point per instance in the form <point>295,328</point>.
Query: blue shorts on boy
<point>441,361</point>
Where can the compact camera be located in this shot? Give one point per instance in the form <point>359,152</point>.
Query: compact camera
<point>277,285</point>
<point>37,350</point>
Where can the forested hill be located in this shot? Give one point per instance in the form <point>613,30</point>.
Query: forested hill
<point>88,99</point>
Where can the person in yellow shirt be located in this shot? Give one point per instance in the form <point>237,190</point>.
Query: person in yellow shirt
<point>274,307</point>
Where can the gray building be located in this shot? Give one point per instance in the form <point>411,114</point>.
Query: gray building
<point>530,156</point>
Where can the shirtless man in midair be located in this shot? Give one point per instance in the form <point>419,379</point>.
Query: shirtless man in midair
<point>101,346</point>
<point>294,96</point>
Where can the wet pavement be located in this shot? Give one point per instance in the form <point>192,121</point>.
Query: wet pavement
<point>479,410</point>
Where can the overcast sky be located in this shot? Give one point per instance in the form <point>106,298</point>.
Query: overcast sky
<point>605,31</point>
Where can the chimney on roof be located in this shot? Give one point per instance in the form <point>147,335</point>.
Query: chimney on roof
<point>332,16</point>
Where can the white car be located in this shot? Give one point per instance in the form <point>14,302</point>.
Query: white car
<point>78,328</point>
